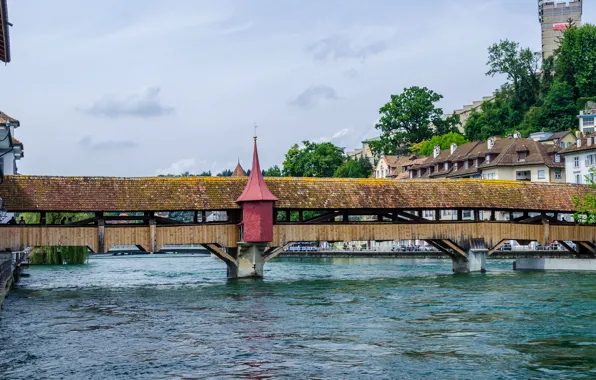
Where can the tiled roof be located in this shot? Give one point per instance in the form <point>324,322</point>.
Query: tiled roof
<point>35,193</point>
<point>584,145</point>
<point>238,171</point>
<point>15,141</point>
<point>5,118</point>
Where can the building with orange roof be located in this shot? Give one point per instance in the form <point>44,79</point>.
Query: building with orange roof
<point>239,171</point>
<point>11,149</point>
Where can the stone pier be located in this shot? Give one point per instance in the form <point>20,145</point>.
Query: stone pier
<point>474,262</point>
<point>249,262</point>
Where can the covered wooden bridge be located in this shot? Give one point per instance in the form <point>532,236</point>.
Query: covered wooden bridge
<point>452,215</point>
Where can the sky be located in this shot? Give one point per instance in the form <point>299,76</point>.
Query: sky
<point>147,87</point>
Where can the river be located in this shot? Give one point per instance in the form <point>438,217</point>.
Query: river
<point>173,317</point>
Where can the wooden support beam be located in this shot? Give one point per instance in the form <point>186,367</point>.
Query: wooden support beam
<point>411,216</point>
<point>496,247</point>
<point>203,216</point>
<point>275,251</point>
<point>493,217</point>
<point>437,214</point>
<point>439,247</point>
<point>460,214</point>
<point>588,247</point>
<point>455,247</point>
<point>100,235</point>
<point>153,235</point>
<point>195,217</point>
<point>346,217</point>
<point>84,222</point>
<point>569,248</point>
<point>220,253</point>
<point>477,215</point>
<point>323,218</point>
<point>300,216</point>
<point>42,218</point>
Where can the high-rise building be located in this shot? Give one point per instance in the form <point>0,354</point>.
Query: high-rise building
<point>554,16</point>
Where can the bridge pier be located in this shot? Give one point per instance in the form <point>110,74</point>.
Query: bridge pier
<point>249,261</point>
<point>475,261</point>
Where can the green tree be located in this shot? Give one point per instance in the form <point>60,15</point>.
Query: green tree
<point>313,160</point>
<point>558,111</point>
<point>360,168</point>
<point>495,118</point>
<point>585,208</point>
<point>273,171</point>
<point>225,173</point>
<point>410,117</point>
<point>426,147</point>
<point>575,60</point>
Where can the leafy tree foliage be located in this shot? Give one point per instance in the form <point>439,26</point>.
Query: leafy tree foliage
<point>273,171</point>
<point>426,148</point>
<point>225,173</point>
<point>409,118</point>
<point>360,168</point>
<point>575,60</point>
<point>313,160</point>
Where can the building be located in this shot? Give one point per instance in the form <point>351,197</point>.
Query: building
<point>586,118</point>
<point>554,17</point>
<point>396,167</point>
<point>498,158</point>
<point>365,151</point>
<point>4,33</point>
<point>465,112</point>
<point>562,139</point>
<point>580,160</point>
<point>11,149</point>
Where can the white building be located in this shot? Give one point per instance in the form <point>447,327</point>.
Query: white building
<point>587,118</point>
<point>11,149</point>
<point>580,160</point>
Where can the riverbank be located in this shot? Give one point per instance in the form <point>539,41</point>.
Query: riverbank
<point>10,271</point>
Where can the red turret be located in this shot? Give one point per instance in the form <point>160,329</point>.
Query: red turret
<point>257,205</point>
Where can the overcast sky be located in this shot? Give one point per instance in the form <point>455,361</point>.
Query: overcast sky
<point>137,88</point>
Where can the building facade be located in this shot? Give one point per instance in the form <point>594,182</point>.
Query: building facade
<point>587,118</point>
<point>498,158</point>
<point>11,149</point>
<point>580,160</point>
<point>554,16</point>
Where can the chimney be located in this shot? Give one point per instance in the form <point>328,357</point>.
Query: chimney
<point>436,151</point>
<point>589,141</point>
<point>578,135</point>
<point>516,135</point>
<point>579,142</point>
<point>491,142</point>
<point>453,147</point>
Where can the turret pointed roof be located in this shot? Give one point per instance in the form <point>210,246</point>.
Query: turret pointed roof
<point>239,171</point>
<point>256,189</point>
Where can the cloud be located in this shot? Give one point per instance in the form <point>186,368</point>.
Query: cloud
<point>313,95</point>
<point>180,166</point>
<point>351,73</point>
<point>235,29</point>
<point>143,104</point>
<point>87,142</point>
<point>342,46</point>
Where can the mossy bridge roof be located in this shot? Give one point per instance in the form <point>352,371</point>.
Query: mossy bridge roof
<point>45,193</point>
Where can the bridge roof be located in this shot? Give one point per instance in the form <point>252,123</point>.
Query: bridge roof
<point>38,193</point>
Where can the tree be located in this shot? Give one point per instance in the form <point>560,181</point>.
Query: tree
<point>557,113</point>
<point>225,173</point>
<point>360,168</point>
<point>313,160</point>
<point>575,59</point>
<point>273,171</point>
<point>409,118</point>
<point>495,118</point>
<point>426,147</point>
<point>585,207</point>
<point>205,173</point>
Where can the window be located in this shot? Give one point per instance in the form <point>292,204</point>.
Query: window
<point>557,157</point>
<point>521,156</point>
<point>558,173</point>
<point>455,165</point>
<point>466,163</point>
<point>588,131</point>
<point>576,163</point>
<point>475,162</point>
<point>588,122</point>
<point>488,158</point>
<point>541,174</point>
<point>569,144</point>
<point>436,167</point>
<point>590,160</point>
<point>446,166</point>
<point>578,178</point>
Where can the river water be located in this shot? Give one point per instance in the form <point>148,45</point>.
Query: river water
<point>173,317</point>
